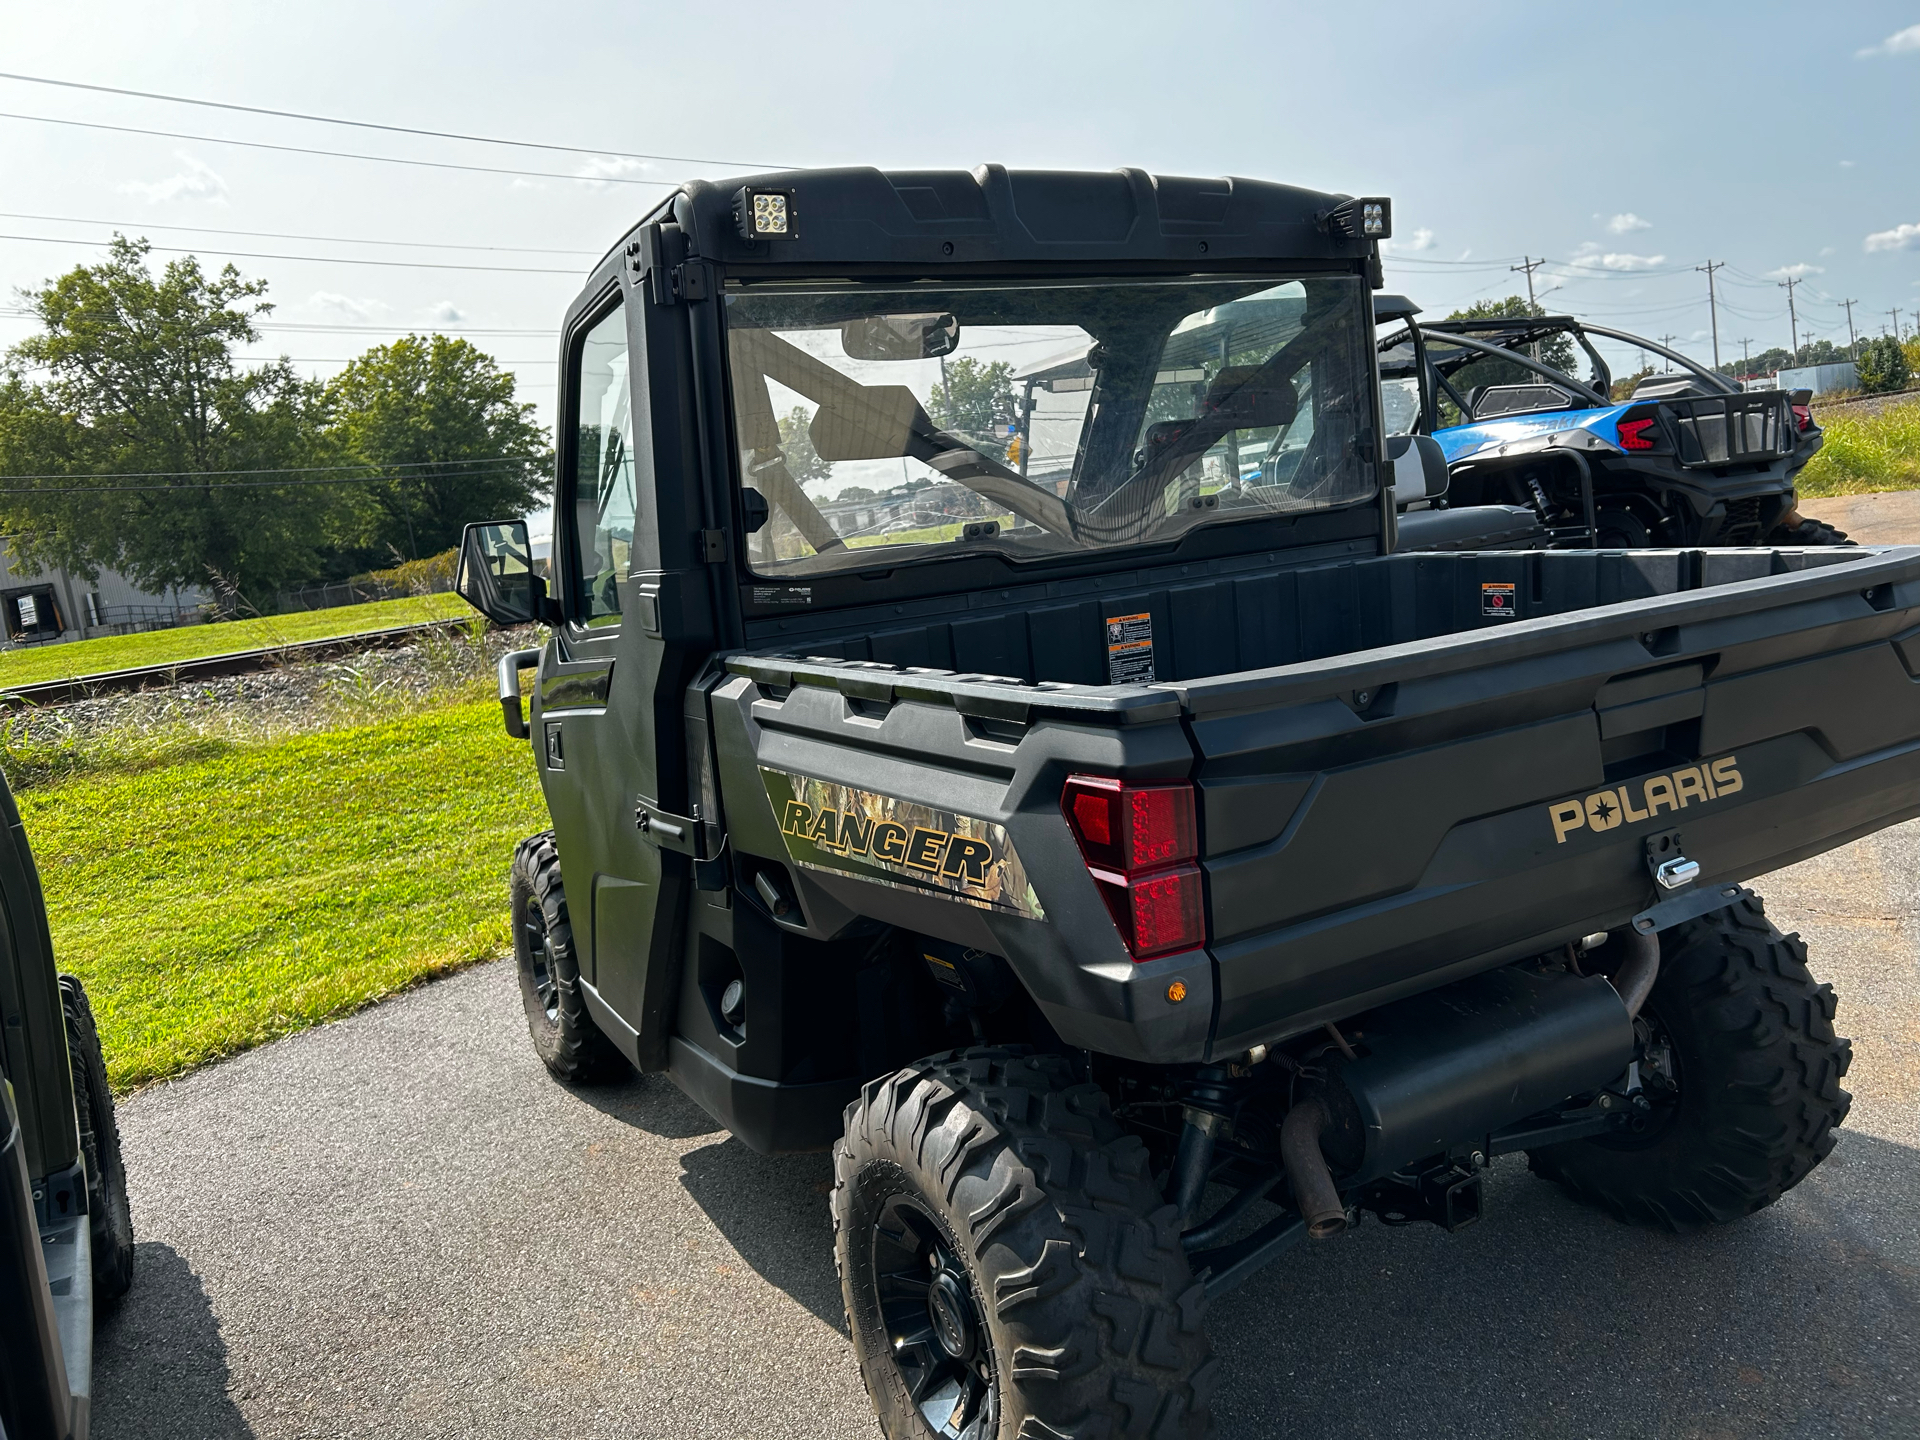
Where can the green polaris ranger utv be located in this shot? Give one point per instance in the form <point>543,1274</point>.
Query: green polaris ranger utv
<point>66,1236</point>
<point>991,731</point>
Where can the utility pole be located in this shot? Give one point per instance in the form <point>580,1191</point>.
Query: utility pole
<point>1895,312</point>
<point>1713,305</point>
<point>1666,365</point>
<point>1853,341</point>
<point>1533,306</point>
<point>1745,364</point>
<point>1793,317</point>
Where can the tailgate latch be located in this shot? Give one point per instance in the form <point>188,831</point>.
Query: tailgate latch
<point>1672,871</point>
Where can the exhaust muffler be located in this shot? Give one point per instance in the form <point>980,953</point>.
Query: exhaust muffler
<point>1441,1071</point>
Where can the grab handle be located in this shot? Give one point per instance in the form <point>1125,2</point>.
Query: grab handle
<point>511,664</point>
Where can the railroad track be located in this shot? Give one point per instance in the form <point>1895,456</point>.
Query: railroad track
<point>236,662</point>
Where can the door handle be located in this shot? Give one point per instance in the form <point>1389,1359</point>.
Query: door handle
<point>511,664</point>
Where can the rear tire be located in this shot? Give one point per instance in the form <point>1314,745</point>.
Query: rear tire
<point>1008,1267</point>
<point>569,1044</point>
<point>1620,529</point>
<point>1809,532</point>
<point>1758,1069</point>
<point>109,1217</point>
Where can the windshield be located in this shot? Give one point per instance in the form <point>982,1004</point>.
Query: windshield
<point>877,426</point>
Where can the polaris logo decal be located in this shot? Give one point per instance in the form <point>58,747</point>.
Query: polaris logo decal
<point>1639,800</point>
<point>827,826</point>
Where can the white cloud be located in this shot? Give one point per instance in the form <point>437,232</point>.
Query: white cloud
<point>328,302</point>
<point>1901,237</point>
<point>613,167</point>
<point>197,182</point>
<point>444,313</point>
<point>1466,254</point>
<point>1623,223</point>
<point>1846,164</point>
<point>1616,260</point>
<point>1798,271</point>
<point>1901,42</point>
<point>1421,239</point>
<point>1825,250</point>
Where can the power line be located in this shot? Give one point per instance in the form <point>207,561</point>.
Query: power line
<point>478,460</point>
<point>320,259</point>
<point>345,328</point>
<point>235,484</point>
<point>374,125</point>
<point>286,235</point>
<point>335,154</point>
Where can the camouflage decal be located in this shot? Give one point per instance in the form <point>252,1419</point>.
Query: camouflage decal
<point>894,842</point>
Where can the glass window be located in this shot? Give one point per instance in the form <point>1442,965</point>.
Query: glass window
<point>602,473</point>
<point>884,425</point>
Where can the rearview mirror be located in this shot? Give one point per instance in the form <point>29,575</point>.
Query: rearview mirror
<point>900,337</point>
<point>497,575</point>
<point>1251,402</point>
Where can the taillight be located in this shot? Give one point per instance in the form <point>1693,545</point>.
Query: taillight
<point>1803,416</point>
<point>1140,843</point>
<point>1633,434</point>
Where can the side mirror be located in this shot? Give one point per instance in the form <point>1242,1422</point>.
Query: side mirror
<point>900,337</point>
<point>497,576</point>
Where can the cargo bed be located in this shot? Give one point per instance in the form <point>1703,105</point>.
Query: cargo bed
<point>1409,768</point>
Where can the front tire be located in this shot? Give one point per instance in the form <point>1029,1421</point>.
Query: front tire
<point>1008,1268</point>
<point>569,1044</point>
<point>1755,1070</point>
<point>109,1217</point>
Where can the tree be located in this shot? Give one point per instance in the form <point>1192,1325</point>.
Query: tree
<point>1624,387</point>
<point>438,417</point>
<point>1882,365</point>
<point>148,450</point>
<point>796,444</point>
<point>970,398</point>
<point>1778,357</point>
<point>1557,351</point>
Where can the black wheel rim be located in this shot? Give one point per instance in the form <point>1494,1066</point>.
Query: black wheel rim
<point>540,960</point>
<point>936,1331</point>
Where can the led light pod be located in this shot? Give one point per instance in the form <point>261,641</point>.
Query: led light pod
<point>765,214</point>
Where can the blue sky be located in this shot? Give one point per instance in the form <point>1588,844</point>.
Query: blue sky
<point>1626,144</point>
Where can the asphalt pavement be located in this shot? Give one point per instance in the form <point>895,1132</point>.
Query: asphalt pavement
<point>397,1226</point>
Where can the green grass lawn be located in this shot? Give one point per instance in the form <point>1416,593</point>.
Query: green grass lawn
<point>1865,453</point>
<point>231,897</point>
<point>194,642</point>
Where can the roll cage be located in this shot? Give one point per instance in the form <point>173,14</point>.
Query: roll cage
<point>1464,342</point>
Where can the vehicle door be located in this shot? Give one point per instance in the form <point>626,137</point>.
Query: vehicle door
<point>607,729</point>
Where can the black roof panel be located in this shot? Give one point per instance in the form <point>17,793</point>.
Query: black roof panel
<point>992,214</point>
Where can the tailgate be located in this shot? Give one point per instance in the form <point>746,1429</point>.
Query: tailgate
<point>1378,822</point>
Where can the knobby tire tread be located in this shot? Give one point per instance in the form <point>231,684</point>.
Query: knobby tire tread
<point>1076,1255</point>
<point>110,1217</point>
<point>1760,1072</point>
<point>572,1047</point>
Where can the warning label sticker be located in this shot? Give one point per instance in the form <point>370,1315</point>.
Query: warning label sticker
<point>1497,599</point>
<point>1129,649</point>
